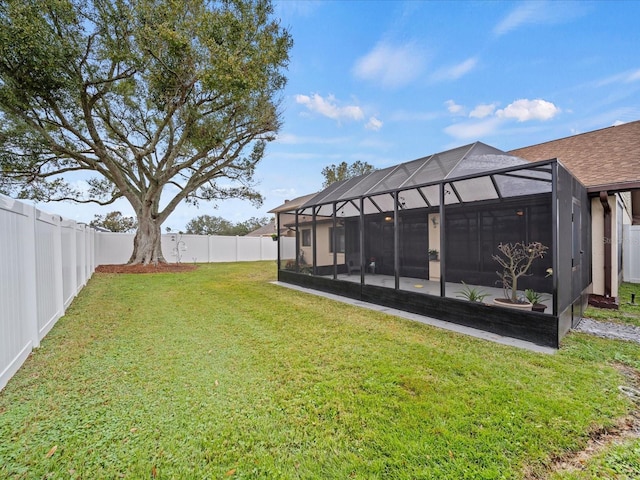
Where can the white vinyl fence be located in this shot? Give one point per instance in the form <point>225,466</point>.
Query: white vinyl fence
<point>46,260</point>
<point>631,253</point>
<point>116,248</point>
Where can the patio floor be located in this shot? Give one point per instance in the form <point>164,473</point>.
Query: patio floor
<point>431,287</point>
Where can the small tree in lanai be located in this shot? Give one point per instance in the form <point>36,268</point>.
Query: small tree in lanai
<point>516,260</point>
<point>157,102</point>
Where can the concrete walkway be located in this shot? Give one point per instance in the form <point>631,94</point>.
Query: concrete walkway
<point>513,342</point>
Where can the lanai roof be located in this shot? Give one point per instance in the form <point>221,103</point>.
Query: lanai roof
<point>418,181</point>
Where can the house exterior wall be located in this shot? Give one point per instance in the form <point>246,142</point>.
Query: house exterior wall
<point>322,240</point>
<point>619,213</point>
<point>631,271</point>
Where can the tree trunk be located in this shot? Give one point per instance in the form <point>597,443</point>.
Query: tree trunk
<point>146,244</point>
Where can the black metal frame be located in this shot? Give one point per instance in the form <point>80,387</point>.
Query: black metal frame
<point>571,271</point>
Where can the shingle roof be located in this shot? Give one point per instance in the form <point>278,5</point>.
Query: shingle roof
<point>290,205</point>
<point>606,159</point>
<point>268,229</point>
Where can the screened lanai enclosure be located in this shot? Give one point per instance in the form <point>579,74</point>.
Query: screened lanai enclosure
<point>416,236</point>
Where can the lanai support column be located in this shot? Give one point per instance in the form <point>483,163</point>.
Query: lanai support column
<point>361,241</point>
<point>335,244</point>
<point>314,250</point>
<point>396,242</point>
<point>443,245</point>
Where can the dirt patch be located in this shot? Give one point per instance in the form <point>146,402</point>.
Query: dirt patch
<point>626,428</point>
<point>159,268</point>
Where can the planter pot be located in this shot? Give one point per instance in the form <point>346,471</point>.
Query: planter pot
<point>539,307</point>
<point>505,302</point>
<point>275,239</point>
<point>433,257</point>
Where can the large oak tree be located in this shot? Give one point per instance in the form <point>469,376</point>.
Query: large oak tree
<point>344,171</point>
<point>160,101</point>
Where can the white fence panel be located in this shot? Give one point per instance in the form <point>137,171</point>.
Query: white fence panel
<point>17,337</point>
<point>181,248</point>
<point>69,271</point>
<point>249,248</point>
<point>223,249</point>
<point>116,248</point>
<point>80,247</point>
<point>42,257</point>
<point>631,253</point>
<point>48,271</point>
<point>113,248</point>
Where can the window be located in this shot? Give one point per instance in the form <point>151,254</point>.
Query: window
<point>306,238</point>
<point>339,239</point>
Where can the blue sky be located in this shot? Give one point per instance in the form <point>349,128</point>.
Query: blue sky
<point>389,81</point>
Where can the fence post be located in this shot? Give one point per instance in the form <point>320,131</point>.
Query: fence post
<point>29,289</point>
<point>57,267</point>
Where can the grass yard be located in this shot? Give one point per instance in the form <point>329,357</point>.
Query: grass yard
<point>627,313</point>
<point>216,373</point>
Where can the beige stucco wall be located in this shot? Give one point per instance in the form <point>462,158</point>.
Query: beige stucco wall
<point>323,255</point>
<point>598,241</point>
<point>597,246</point>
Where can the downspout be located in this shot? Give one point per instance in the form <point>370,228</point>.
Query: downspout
<point>608,240</point>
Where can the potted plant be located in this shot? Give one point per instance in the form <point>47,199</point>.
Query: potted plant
<point>536,300</point>
<point>472,294</point>
<point>274,237</point>
<point>516,260</point>
<point>433,254</point>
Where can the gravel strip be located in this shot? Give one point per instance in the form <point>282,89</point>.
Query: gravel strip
<point>615,331</point>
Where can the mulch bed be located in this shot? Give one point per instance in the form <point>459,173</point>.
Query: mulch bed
<point>159,268</point>
<point>601,301</point>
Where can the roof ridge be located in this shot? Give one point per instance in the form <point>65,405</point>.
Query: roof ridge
<point>591,132</point>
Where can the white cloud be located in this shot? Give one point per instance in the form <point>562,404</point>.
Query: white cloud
<point>537,12</point>
<point>483,110</point>
<point>453,107</point>
<point>524,13</point>
<point>524,110</point>
<point>373,124</point>
<point>486,120</point>
<point>284,192</point>
<point>473,129</point>
<point>406,116</point>
<point>329,107</point>
<point>392,66</point>
<point>454,72</point>
<point>624,77</point>
<point>291,139</point>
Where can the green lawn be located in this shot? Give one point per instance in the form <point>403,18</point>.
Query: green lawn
<point>217,373</point>
<point>627,313</point>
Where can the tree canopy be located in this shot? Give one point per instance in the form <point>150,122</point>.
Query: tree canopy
<point>343,171</point>
<point>114,222</point>
<point>158,101</point>
<point>212,225</point>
